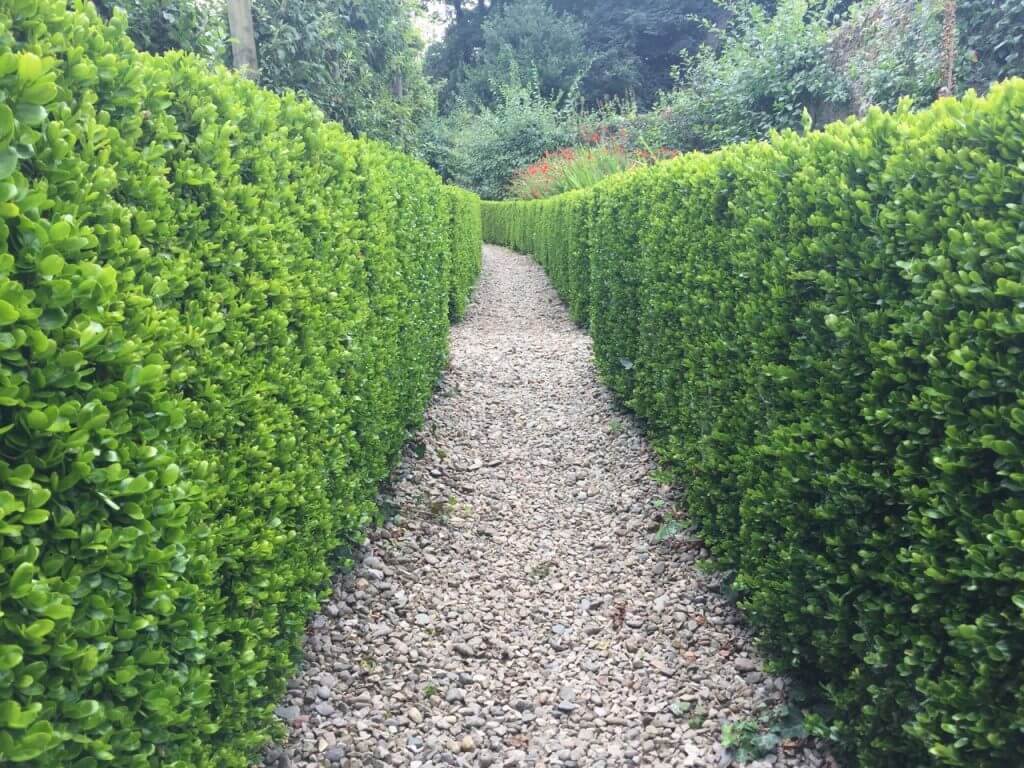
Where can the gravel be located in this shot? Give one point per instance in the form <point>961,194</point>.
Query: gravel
<point>518,610</point>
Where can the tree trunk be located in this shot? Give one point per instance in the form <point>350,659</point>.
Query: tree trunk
<point>243,37</point>
<point>949,49</point>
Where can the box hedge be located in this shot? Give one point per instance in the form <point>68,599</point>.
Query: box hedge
<point>825,336</point>
<point>219,316</point>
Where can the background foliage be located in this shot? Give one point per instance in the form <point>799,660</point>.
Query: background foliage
<point>219,316</point>
<point>525,44</point>
<point>358,60</point>
<point>159,26</point>
<point>697,74</point>
<point>482,150</point>
<point>630,47</point>
<point>824,335</point>
<point>702,75</point>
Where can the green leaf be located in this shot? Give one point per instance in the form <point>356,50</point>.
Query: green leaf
<point>30,114</point>
<point>52,265</point>
<point>38,629</point>
<point>10,656</point>
<point>13,716</point>
<point>8,314</point>
<point>8,162</point>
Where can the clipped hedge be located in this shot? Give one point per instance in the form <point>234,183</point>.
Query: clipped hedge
<point>825,336</point>
<point>219,316</point>
<point>466,251</point>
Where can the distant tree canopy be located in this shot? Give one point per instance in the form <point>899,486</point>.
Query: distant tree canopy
<point>637,43</point>
<point>526,41</point>
<point>629,47</point>
<point>357,59</point>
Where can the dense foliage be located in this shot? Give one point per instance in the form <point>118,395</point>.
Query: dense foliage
<point>628,48</point>
<point>526,43</point>
<point>219,315</point>
<point>159,26</point>
<point>482,151</point>
<point>358,60</point>
<point>577,168</point>
<point>992,36</point>
<point>832,60</point>
<point>825,336</point>
<point>747,67</point>
<point>765,72</point>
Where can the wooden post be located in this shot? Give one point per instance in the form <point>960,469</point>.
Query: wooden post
<point>949,50</point>
<point>243,37</point>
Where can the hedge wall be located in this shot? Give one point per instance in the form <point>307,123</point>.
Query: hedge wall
<point>466,251</point>
<point>219,316</point>
<point>825,336</point>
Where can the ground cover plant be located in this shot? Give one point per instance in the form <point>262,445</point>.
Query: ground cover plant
<point>219,316</point>
<point>824,334</point>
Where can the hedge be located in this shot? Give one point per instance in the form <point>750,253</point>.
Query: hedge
<point>219,316</point>
<point>466,251</point>
<point>825,336</point>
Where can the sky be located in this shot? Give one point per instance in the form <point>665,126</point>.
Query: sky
<point>432,25</point>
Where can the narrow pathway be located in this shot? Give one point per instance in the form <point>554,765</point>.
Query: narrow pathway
<point>519,610</point>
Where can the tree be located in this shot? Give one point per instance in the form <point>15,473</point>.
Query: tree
<point>631,46</point>
<point>448,60</point>
<point>637,43</point>
<point>359,60</point>
<point>526,43</point>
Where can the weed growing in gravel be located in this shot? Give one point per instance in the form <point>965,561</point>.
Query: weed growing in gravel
<point>670,527</point>
<point>751,740</point>
<point>542,570</point>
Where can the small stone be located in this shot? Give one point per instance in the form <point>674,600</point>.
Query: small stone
<point>455,695</point>
<point>415,715</point>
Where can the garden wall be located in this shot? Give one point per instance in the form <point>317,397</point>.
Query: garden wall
<point>825,337</point>
<point>219,317</point>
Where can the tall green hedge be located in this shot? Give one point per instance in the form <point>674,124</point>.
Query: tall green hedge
<point>825,335</point>
<point>466,251</point>
<point>219,316</point>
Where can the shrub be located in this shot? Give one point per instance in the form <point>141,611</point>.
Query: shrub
<point>768,68</point>
<point>481,152</point>
<point>577,168</point>
<point>219,315</point>
<point>824,336</point>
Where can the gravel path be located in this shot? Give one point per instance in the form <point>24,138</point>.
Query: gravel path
<point>518,611</point>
